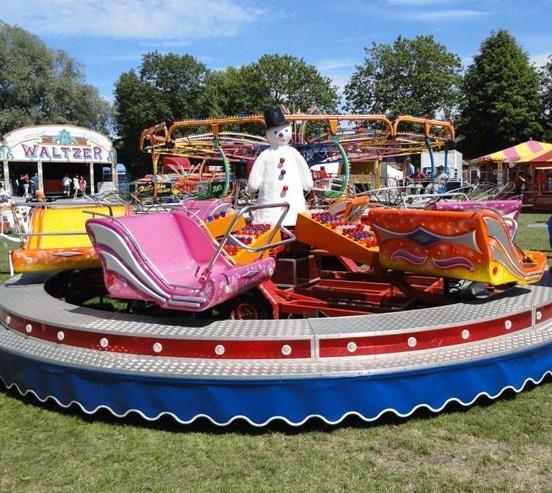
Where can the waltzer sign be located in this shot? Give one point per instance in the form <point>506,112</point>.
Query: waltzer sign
<point>51,151</point>
<point>56,143</point>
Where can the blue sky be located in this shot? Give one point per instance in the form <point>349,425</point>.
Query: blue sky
<point>109,37</point>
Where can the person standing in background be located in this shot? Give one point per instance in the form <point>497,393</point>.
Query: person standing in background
<point>441,180</point>
<point>75,186</point>
<point>66,183</point>
<point>408,168</point>
<point>34,184</point>
<point>82,185</point>
<point>26,181</point>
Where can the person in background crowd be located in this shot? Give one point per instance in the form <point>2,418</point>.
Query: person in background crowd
<point>82,185</point>
<point>323,173</point>
<point>418,179</point>
<point>408,168</point>
<point>26,181</point>
<point>519,184</point>
<point>66,182</point>
<point>441,180</point>
<point>75,186</point>
<point>34,184</point>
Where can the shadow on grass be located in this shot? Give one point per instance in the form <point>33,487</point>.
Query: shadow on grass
<point>242,427</point>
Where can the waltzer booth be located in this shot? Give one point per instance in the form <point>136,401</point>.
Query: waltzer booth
<point>52,151</point>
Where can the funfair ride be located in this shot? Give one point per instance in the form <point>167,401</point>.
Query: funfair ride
<point>362,309</point>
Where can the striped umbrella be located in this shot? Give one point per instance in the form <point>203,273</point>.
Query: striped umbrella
<point>522,153</point>
<point>542,157</point>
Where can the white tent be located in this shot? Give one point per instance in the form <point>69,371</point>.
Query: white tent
<point>393,175</point>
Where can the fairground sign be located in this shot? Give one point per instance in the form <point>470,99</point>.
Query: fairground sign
<point>56,143</point>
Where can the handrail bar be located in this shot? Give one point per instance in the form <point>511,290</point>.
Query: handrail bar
<point>268,245</point>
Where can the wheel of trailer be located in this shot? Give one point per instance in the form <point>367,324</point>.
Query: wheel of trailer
<point>249,306</point>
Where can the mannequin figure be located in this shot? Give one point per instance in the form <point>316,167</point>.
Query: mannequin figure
<point>280,173</point>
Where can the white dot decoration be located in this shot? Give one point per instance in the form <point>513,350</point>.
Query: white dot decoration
<point>60,335</point>
<point>412,342</point>
<point>286,349</point>
<point>351,347</point>
<point>104,342</point>
<point>539,315</point>
<point>157,347</point>
<point>465,334</point>
<point>28,328</point>
<point>508,324</point>
<point>219,349</point>
<point>8,319</point>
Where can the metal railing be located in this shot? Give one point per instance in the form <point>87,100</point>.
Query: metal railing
<point>229,236</point>
<point>425,199</point>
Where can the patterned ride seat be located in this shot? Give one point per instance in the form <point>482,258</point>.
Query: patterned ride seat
<point>163,258</point>
<point>473,245</point>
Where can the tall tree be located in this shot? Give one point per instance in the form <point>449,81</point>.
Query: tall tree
<point>501,97</point>
<point>230,92</point>
<point>166,87</point>
<point>271,80</point>
<point>39,85</point>
<point>546,98</point>
<point>412,76</point>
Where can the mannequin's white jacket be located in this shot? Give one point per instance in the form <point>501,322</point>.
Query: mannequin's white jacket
<point>267,179</point>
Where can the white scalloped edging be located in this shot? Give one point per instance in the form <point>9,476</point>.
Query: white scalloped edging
<point>280,418</point>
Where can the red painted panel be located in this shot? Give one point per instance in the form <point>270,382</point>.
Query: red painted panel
<point>180,348</point>
<point>546,313</point>
<point>425,339</point>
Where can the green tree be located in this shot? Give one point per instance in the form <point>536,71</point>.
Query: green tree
<point>501,97</point>
<point>546,98</point>
<point>228,92</point>
<point>412,76</point>
<point>39,85</point>
<point>165,88</point>
<point>272,80</point>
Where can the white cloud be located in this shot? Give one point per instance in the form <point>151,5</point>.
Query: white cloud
<point>467,60</point>
<point>335,64</point>
<point>446,14</point>
<point>340,80</point>
<point>540,59</point>
<point>118,56</point>
<point>419,10</point>
<point>339,70</point>
<point>132,19</point>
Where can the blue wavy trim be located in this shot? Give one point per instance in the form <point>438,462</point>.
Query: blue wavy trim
<point>259,402</point>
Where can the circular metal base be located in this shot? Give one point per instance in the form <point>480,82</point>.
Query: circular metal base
<point>262,370</point>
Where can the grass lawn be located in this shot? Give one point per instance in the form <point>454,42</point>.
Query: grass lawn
<point>506,446</point>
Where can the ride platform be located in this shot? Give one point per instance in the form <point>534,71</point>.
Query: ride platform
<point>264,370</point>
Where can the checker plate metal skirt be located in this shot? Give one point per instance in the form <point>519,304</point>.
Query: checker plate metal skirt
<point>30,300</point>
<point>252,369</point>
<point>293,390</point>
